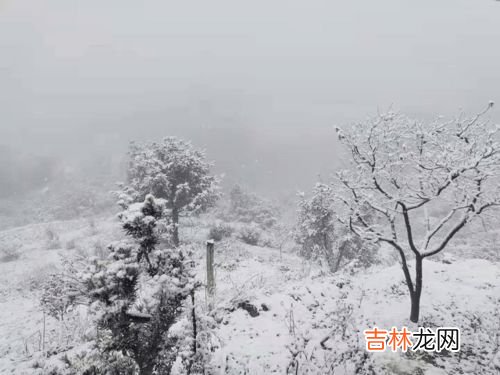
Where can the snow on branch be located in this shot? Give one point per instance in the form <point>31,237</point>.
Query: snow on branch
<point>401,168</point>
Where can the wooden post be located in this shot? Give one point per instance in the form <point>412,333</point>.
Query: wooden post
<point>210,274</point>
<point>43,335</point>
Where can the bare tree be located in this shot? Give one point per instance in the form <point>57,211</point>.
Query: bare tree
<point>407,172</point>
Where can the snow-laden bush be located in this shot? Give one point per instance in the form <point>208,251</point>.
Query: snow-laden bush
<point>53,240</point>
<point>341,351</point>
<point>9,252</point>
<point>70,244</point>
<point>139,290</point>
<point>58,296</point>
<point>315,230</point>
<point>87,360</point>
<point>136,294</point>
<point>247,207</point>
<point>322,237</point>
<point>250,234</point>
<point>195,347</point>
<point>220,231</point>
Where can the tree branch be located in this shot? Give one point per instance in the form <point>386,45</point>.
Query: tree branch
<point>406,271</point>
<point>409,231</point>
<point>448,237</point>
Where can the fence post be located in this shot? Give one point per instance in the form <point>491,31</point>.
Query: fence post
<point>43,335</point>
<point>210,274</point>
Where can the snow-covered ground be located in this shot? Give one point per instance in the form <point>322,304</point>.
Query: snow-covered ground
<point>302,302</point>
<point>298,305</point>
<point>38,255</point>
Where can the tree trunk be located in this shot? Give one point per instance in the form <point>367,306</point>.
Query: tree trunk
<point>175,221</point>
<point>415,295</point>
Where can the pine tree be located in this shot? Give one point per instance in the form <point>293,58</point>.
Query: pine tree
<point>139,290</point>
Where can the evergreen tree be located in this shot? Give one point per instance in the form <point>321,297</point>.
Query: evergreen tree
<point>139,290</point>
<point>315,228</point>
<point>175,171</point>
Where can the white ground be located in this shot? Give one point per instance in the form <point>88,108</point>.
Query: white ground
<point>302,302</point>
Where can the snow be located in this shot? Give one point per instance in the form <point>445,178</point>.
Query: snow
<point>301,302</point>
<point>290,286</point>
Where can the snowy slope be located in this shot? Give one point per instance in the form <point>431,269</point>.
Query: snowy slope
<point>298,306</point>
<point>300,296</point>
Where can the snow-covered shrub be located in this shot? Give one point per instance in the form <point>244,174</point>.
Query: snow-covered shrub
<point>194,354</point>
<point>315,230</point>
<point>10,252</point>
<point>58,296</point>
<point>53,241</point>
<point>70,244</point>
<point>250,234</point>
<point>247,207</point>
<point>220,231</point>
<point>280,235</point>
<point>62,298</point>
<point>34,280</point>
<point>138,292</point>
<point>87,360</point>
<point>172,170</point>
<point>348,357</point>
<point>340,351</point>
<point>322,236</point>
<point>94,249</point>
<point>353,252</point>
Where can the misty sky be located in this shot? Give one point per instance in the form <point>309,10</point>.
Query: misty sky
<point>252,81</point>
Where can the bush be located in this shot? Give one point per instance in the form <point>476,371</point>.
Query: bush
<point>70,244</point>
<point>342,350</point>
<point>36,279</point>
<point>219,231</point>
<point>53,241</point>
<point>57,296</point>
<point>137,324</point>
<point>246,207</point>
<point>250,234</point>
<point>315,229</point>
<point>9,253</point>
<point>321,236</point>
<point>353,248</point>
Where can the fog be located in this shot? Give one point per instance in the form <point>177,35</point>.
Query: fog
<point>259,84</point>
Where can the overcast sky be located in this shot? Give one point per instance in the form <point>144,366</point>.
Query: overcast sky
<point>76,74</point>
